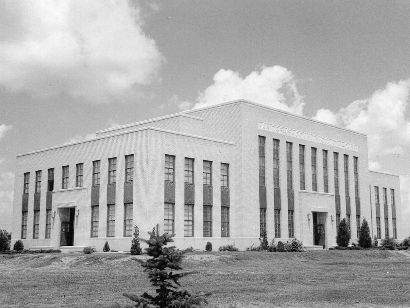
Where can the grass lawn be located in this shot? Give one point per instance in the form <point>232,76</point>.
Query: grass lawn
<point>236,279</point>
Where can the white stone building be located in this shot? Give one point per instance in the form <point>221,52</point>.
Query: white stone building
<point>221,174</point>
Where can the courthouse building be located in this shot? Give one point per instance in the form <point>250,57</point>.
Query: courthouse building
<point>224,174</point>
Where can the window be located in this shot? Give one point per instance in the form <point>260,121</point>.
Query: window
<point>261,141</point>
<point>169,218</point>
<point>358,225</point>
<point>337,221</point>
<point>291,223</point>
<point>189,170</point>
<point>386,227</point>
<point>129,168</point>
<point>392,199</point>
<point>95,219</point>
<point>276,145</point>
<point>207,173</point>
<point>50,186</point>
<point>394,228</point>
<point>385,196</point>
<point>376,194</point>
<point>79,175</point>
<point>65,178</point>
<point>224,175</point>
<point>36,224</point>
<point>96,173</point>
<point>48,223</point>
<point>169,168</point>
<point>188,220</point>
<point>262,222</point>
<point>26,182</point>
<point>302,167</point>
<point>336,171</point>
<point>379,232</point>
<point>277,223</point>
<point>207,221</point>
<point>314,169</point>
<point>348,221</point>
<point>110,220</point>
<point>325,172</point>
<point>289,172</point>
<point>24,224</point>
<point>225,221</point>
<point>128,213</point>
<point>38,182</point>
<point>346,172</point>
<point>112,170</point>
<point>356,176</point>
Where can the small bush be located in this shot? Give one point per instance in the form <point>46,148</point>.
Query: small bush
<point>135,244</point>
<point>208,246</point>
<point>88,250</point>
<point>389,243</point>
<point>280,247</point>
<point>297,246</point>
<point>365,240</point>
<point>106,247</point>
<point>264,241</point>
<point>343,234</point>
<point>253,248</point>
<point>272,246</point>
<point>375,242</point>
<point>228,248</point>
<point>4,241</point>
<point>406,242</point>
<point>287,246</point>
<point>189,249</point>
<point>18,246</point>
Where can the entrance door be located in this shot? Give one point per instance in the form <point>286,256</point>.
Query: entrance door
<point>319,223</point>
<point>67,227</point>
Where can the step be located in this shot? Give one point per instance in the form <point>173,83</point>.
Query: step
<point>71,249</point>
<point>314,247</point>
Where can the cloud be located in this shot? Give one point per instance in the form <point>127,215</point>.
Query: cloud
<point>91,50</point>
<point>273,86</point>
<point>4,129</point>
<point>6,199</point>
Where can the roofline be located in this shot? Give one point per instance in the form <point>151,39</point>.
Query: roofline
<point>124,133</point>
<point>156,119</point>
<point>273,109</point>
<point>384,173</point>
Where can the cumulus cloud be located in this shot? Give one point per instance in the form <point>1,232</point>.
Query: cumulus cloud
<point>4,129</point>
<point>274,86</point>
<point>91,50</point>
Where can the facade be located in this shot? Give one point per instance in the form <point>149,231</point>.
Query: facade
<point>224,174</point>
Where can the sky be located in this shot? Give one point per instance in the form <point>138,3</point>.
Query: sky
<point>70,68</point>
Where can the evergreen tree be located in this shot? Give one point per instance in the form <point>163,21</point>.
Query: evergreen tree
<point>4,240</point>
<point>365,240</point>
<point>343,234</point>
<point>106,247</point>
<point>135,244</point>
<point>164,271</point>
<point>18,246</point>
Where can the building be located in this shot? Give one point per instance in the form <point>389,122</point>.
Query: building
<point>223,174</point>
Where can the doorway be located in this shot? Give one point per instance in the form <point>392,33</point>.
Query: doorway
<point>319,228</point>
<point>67,226</point>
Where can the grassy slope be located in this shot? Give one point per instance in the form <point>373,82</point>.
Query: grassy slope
<point>317,278</point>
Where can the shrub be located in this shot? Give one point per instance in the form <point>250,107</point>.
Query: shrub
<point>389,243</point>
<point>297,246</point>
<point>135,244</point>
<point>164,271</point>
<point>264,241</point>
<point>18,246</point>
<point>4,240</point>
<point>287,246</point>
<point>406,242</point>
<point>280,247</point>
<point>106,247</point>
<point>365,240</point>
<point>375,242</point>
<point>228,248</point>
<point>343,234</point>
<point>88,250</point>
<point>272,246</point>
<point>208,246</point>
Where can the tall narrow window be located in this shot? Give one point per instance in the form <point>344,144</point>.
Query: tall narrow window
<point>95,219</point>
<point>224,175</point>
<point>38,181</point>
<point>277,223</point>
<point>169,172</point>
<point>128,213</point>
<point>26,182</point>
<point>112,170</point>
<point>356,176</point>
<point>386,213</point>
<point>48,223</point>
<point>207,173</point>
<point>337,221</point>
<point>50,184</point>
<point>96,172</point>
<point>79,175</point>
<point>110,220</point>
<point>36,224</point>
<point>65,177</point>
<point>377,200</point>
<point>207,216</point>
<point>346,172</point>
<point>394,228</point>
<point>129,168</point>
<point>262,221</point>
<point>393,208</point>
<point>276,163</point>
<point>169,215</point>
<point>314,169</point>
<point>336,172</point>
<point>291,223</point>
<point>386,227</point>
<point>188,220</point>
<point>378,228</point>
<point>325,172</point>
<point>24,224</point>
<point>289,165</point>
<point>358,225</point>
<point>302,167</point>
<point>261,160</point>
<point>262,184</point>
<point>225,221</point>
<point>348,221</point>
<point>189,170</point>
